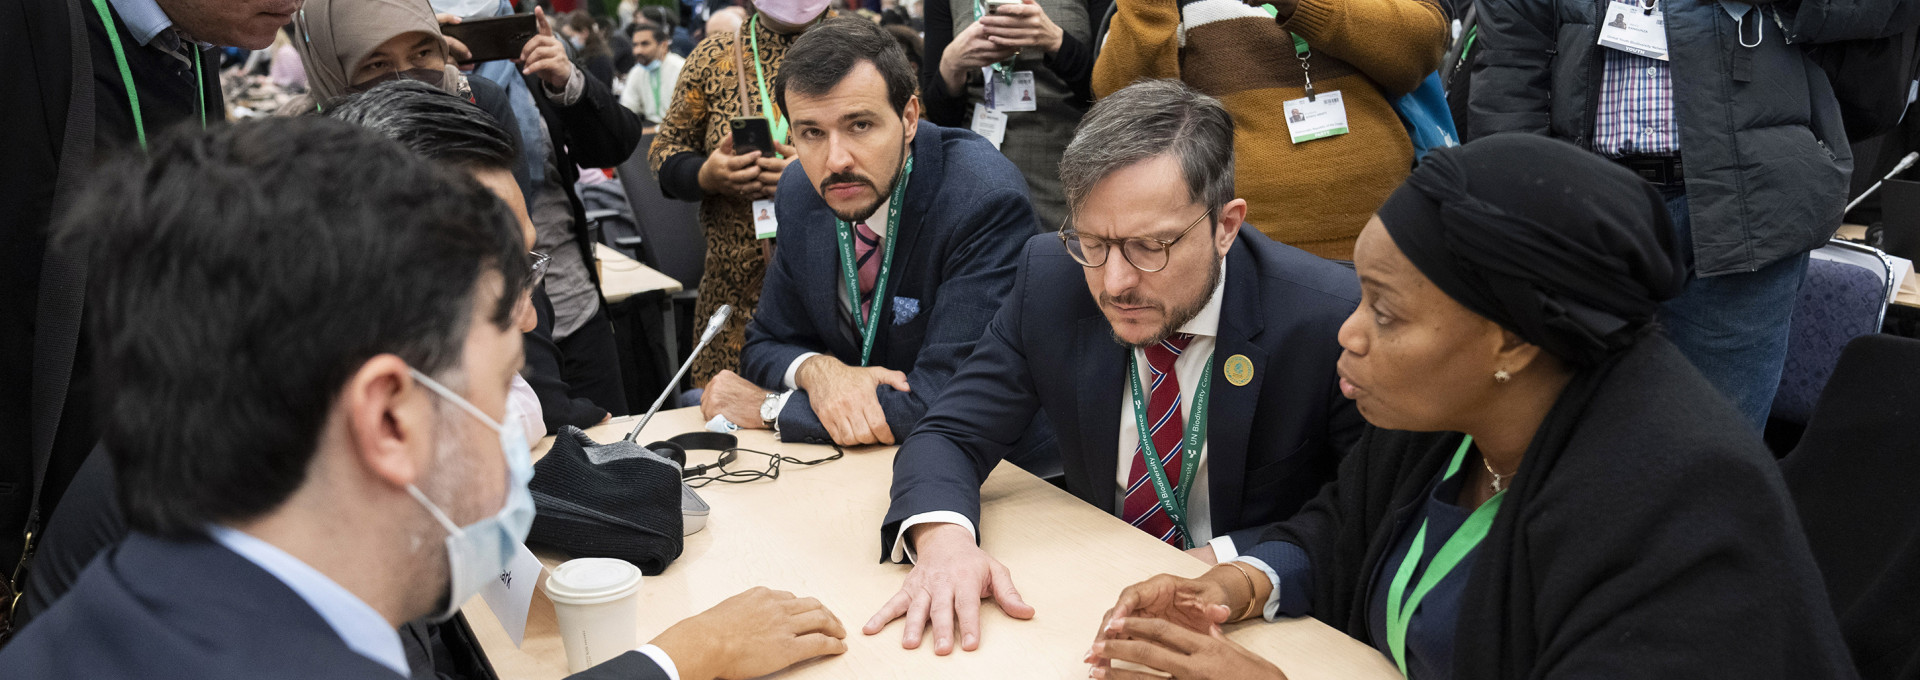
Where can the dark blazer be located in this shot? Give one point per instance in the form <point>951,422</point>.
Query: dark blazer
<point>35,45</point>
<point>965,218</point>
<point>1270,443</point>
<point>159,608</point>
<point>595,132</point>
<point>1646,534</point>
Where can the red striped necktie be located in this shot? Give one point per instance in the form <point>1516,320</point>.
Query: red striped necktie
<point>1142,508</point>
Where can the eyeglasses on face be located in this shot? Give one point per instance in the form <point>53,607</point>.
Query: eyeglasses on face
<point>1144,253</point>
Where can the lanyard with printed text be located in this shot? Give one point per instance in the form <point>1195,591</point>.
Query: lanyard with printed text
<point>774,118</point>
<point>1463,541</point>
<point>126,74</point>
<point>869,328</point>
<point>1174,502</point>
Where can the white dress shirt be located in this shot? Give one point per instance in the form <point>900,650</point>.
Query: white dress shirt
<point>1204,327</point>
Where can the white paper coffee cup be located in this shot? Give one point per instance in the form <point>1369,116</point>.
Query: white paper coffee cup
<point>596,604</point>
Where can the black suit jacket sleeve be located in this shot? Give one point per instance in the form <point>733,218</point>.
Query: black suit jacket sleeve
<point>988,407</point>
<point>976,275</point>
<point>543,374</point>
<point>628,666</point>
<point>942,107</point>
<point>600,133</point>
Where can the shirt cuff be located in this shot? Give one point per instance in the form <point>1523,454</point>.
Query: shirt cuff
<point>780,407</point>
<point>1223,551</point>
<point>1272,610</point>
<point>660,657</point>
<point>576,84</point>
<point>900,547</point>
<point>793,370</point>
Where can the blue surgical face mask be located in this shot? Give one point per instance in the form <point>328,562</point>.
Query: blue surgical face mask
<point>479,552</point>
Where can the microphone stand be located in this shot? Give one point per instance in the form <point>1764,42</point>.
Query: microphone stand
<point>714,323</point>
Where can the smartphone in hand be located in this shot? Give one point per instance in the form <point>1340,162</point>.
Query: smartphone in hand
<point>494,38</point>
<point>752,133</point>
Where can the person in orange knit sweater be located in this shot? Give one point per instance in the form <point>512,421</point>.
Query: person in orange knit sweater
<point>1312,169</point>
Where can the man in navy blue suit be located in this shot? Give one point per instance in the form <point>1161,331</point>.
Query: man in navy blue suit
<point>305,402</point>
<point>1186,363</point>
<point>898,240</point>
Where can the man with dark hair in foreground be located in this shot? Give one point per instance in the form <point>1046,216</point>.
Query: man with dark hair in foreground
<point>917,227</point>
<point>350,461</point>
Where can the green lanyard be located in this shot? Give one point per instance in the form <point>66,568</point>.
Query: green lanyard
<point>870,328</point>
<point>1463,541</point>
<point>1175,503</point>
<point>1004,67</point>
<point>777,121</point>
<point>126,75</point>
<point>654,78</point>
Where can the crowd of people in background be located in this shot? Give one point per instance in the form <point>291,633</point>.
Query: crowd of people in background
<point>1540,339</point>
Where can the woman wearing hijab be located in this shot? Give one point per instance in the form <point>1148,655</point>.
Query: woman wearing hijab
<point>1548,488</point>
<point>695,160</point>
<point>350,46</point>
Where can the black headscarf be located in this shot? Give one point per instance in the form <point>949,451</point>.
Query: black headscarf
<point>1567,250</point>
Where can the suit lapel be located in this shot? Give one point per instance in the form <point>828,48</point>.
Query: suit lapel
<point>1231,413</point>
<point>1103,376</point>
<point>922,186</point>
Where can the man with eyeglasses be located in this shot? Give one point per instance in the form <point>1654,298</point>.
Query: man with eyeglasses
<point>1214,341</point>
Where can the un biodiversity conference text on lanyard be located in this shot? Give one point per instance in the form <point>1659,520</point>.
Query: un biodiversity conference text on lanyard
<point>1175,503</point>
<point>1463,541</point>
<point>870,327</point>
<point>126,74</point>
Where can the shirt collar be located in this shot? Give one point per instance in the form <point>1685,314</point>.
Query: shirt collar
<point>144,18</point>
<point>358,625</point>
<point>1207,322</point>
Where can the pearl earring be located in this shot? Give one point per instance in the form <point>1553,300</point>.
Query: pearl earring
<point>1502,376</point>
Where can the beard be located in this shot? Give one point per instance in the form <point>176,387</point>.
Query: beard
<point>1176,316</point>
<point>866,212</point>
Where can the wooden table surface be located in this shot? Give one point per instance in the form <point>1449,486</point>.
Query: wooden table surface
<point>816,532</point>
<point>622,277</point>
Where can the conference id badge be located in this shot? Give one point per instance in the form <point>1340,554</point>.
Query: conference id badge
<point>1018,95</point>
<point>510,594</point>
<point>990,124</point>
<point>1635,29</point>
<point>766,223</point>
<point>1316,118</point>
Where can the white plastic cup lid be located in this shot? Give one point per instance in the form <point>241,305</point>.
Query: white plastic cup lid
<point>592,580</point>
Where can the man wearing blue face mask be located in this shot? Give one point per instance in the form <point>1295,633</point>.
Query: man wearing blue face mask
<point>351,462</point>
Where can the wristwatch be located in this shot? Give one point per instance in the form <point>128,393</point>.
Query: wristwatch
<point>770,411</point>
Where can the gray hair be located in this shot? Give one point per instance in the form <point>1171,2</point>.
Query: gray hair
<point>1148,119</point>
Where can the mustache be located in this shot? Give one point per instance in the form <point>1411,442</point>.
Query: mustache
<point>845,178</point>
<point>1127,300</point>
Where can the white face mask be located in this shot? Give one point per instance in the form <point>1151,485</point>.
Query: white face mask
<point>467,9</point>
<point>478,552</point>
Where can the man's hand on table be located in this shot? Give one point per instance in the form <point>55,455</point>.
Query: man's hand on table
<point>950,576</point>
<point>752,634</point>
<point>845,400</point>
<point>1173,649</point>
<point>737,398</point>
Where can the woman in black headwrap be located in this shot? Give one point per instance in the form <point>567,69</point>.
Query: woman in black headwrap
<point>1549,489</point>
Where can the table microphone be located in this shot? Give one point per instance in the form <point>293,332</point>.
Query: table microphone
<point>714,323</point>
<point>1905,163</point>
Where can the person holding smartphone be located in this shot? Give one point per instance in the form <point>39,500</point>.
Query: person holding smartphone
<point>1020,73</point>
<point>723,105</point>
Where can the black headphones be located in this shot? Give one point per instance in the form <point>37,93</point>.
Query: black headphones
<point>676,447</point>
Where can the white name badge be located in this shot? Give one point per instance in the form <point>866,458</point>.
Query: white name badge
<point>1322,117</point>
<point>511,594</point>
<point>1634,29</point>
<point>1018,95</point>
<point>766,223</point>
<point>990,124</point>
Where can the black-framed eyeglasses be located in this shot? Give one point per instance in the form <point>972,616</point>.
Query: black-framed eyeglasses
<point>1145,254</point>
<point>538,271</point>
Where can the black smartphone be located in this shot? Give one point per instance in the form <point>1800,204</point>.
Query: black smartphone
<point>494,38</point>
<point>752,133</point>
